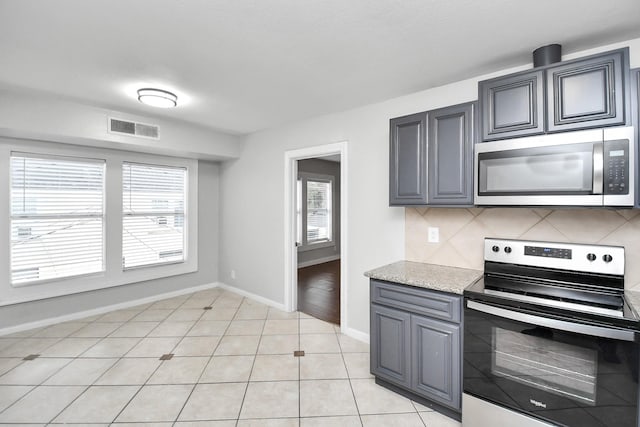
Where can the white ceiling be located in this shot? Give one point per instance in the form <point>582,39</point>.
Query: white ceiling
<point>245,65</point>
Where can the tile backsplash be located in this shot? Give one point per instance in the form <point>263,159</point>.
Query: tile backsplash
<point>462,232</point>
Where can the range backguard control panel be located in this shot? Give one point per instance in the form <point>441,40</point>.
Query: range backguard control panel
<point>547,252</point>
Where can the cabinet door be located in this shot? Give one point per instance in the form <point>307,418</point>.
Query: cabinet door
<point>587,93</point>
<point>436,361</point>
<point>407,160</point>
<point>512,106</point>
<point>635,121</point>
<point>450,155</point>
<point>391,345</point>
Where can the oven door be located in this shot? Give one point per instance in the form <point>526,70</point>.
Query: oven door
<point>558,370</point>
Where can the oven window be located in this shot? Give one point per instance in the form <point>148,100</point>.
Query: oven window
<point>529,358</point>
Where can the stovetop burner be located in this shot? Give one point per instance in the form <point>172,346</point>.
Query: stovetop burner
<point>579,281</point>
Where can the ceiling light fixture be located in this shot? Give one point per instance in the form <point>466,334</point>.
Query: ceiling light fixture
<point>157,98</point>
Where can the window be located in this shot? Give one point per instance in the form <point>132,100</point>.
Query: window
<point>314,211</point>
<point>75,221</point>
<point>57,217</point>
<point>319,210</point>
<point>153,224</point>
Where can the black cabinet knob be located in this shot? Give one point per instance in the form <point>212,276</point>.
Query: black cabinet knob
<point>591,257</point>
<point>507,249</point>
<point>607,258</point>
<point>495,248</point>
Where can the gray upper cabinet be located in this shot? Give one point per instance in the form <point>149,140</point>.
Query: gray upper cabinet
<point>512,105</point>
<point>407,160</point>
<point>431,157</point>
<point>450,155</point>
<point>586,93</point>
<point>635,119</point>
<point>578,94</point>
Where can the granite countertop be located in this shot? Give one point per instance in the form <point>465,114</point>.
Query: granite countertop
<point>430,276</point>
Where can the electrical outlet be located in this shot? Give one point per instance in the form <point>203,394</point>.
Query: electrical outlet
<point>233,275</point>
<point>433,234</point>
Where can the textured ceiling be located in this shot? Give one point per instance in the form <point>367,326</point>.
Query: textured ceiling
<point>245,65</point>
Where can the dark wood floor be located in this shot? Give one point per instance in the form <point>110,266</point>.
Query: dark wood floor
<point>319,291</point>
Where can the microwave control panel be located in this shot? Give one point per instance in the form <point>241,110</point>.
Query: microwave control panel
<point>616,167</point>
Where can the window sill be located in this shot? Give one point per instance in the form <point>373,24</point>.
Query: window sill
<point>317,245</point>
<point>81,284</point>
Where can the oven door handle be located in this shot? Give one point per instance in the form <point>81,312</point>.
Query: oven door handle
<point>563,325</point>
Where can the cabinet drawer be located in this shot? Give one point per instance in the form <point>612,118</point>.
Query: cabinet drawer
<point>416,300</point>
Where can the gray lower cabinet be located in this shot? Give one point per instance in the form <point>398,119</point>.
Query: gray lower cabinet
<point>391,359</point>
<point>408,160</point>
<point>436,360</point>
<point>416,341</point>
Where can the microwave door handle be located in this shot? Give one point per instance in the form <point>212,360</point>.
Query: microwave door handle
<point>598,167</point>
<point>578,328</point>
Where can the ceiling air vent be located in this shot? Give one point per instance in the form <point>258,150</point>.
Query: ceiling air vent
<point>141,130</point>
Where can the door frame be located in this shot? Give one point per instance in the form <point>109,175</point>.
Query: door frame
<point>291,158</point>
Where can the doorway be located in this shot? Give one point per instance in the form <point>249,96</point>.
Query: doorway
<point>318,237</point>
<point>315,232</point>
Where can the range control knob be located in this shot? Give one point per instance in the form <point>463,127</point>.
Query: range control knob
<point>495,248</point>
<point>591,257</point>
<point>507,249</point>
<point>607,258</point>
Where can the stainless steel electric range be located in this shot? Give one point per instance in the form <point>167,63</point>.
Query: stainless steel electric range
<point>549,338</point>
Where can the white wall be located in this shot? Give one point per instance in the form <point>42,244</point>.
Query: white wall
<point>27,114</point>
<point>252,193</point>
<point>38,116</point>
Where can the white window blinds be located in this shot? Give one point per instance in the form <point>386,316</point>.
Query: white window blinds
<point>153,224</point>
<point>57,217</point>
<point>318,211</point>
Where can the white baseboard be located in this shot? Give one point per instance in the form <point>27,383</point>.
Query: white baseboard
<point>318,261</point>
<point>253,296</point>
<point>353,333</point>
<point>101,310</point>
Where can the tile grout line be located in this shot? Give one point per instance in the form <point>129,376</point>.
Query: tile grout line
<point>59,370</point>
<point>72,359</point>
<point>208,362</point>
<point>140,387</point>
<point>253,364</point>
<point>205,366</point>
<point>336,333</point>
<point>353,394</point>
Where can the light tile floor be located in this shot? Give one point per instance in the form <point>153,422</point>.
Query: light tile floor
<point>232,365</point>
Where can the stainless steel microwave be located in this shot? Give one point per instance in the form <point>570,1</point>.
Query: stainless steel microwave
<point>585,168</point>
